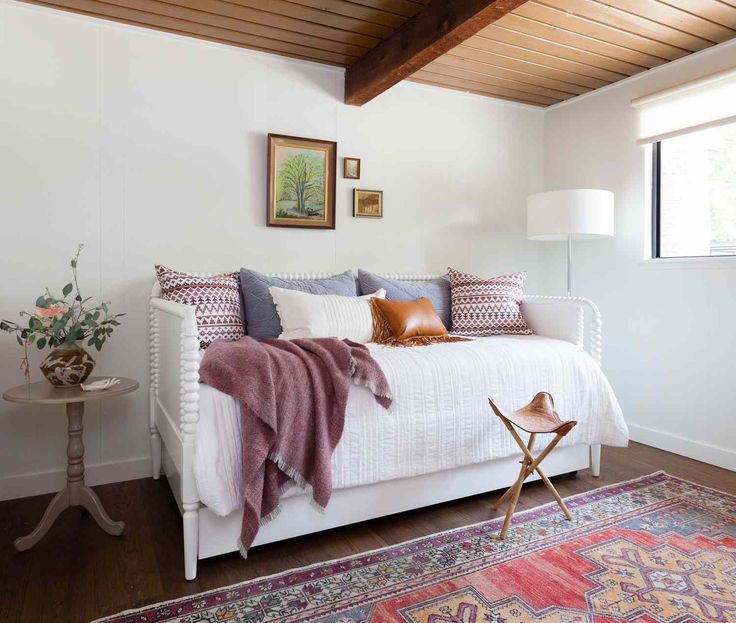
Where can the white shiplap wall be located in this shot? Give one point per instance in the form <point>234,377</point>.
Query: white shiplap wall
<point>150,147</point>
<point>669,337</point>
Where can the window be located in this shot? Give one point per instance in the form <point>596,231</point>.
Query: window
<point>694,194</point>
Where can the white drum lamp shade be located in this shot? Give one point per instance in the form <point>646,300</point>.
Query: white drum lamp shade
<point>580,213</point>
<point>576,214</point>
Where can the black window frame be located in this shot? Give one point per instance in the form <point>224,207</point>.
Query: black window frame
<point>656,199</point>
<point>656,215</point>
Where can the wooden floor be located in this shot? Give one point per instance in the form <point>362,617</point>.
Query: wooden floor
<point>77,573</point>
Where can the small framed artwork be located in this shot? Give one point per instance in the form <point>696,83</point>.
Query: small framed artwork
<point>368,203</point>
<point>301,182</point>
<point>351,168</point>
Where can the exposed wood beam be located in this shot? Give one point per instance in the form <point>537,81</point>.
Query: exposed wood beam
<point>438,28</point>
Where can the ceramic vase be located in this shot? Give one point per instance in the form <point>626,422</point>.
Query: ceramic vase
<point>67,365</point>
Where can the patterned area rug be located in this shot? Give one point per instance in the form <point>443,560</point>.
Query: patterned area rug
<point>653,550</point>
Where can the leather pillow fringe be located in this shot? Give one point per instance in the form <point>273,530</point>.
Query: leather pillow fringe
<point>382,334</point>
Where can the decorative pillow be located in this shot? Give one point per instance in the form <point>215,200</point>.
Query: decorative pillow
<point>408,323</point>
<point>324,315</point>
<point>216,302</point>
<point>436,290</point>
<point>487,306</point>
<point>261,318</point>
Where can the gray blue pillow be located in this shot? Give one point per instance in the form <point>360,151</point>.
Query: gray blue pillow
<point>436,290</point>
<point>261,318</point>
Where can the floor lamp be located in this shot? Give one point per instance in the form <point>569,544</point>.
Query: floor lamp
<point>576,214</point>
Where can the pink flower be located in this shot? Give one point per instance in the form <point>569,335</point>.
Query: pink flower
<point>50,311</point>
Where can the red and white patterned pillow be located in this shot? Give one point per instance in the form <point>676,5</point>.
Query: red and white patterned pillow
<point>216,302</point>
<point>487,306</point>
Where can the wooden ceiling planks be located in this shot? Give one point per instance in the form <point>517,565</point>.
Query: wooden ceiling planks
<point>511,74</point>
<point>646,31</point>
<point>516,51</point>
<point>573,46</point>
<point>720,12</point>
<point>676,18</point>
<point>600,30</point>
<point>548,33</point>
<point>390,13</point>
<point>560,50</point>
<point>388,19</point>
<point>439,67</point>
<point>525,66</point>
<point>336,32</point>
<point>430,77</point>
<point>539,53</point>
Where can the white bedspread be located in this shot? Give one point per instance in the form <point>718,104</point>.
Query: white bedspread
<point>440,416</point>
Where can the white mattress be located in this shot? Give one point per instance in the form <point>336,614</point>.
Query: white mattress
<point>440,416</point>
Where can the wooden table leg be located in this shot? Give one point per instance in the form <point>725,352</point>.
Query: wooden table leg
<point>90,501</point>
<point>53,510</point>
<point>75,451</point>
<point>76,493</point>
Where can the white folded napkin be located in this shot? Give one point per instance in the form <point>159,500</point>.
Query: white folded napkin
<point>99,385</point>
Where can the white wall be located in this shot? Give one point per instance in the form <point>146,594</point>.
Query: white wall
<point>150,147</point>
<point>668,329</point>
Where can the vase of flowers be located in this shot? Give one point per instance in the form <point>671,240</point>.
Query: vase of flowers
<point>64,324</point>
<point>67,364</point>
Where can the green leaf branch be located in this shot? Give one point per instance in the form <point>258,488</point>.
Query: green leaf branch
<point>67,319</point>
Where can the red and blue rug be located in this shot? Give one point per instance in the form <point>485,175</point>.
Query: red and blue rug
<point>653,550</point>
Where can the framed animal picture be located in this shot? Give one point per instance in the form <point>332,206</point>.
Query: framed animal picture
<point>301,182</point>
<point>351,168</point>
<point>368,203</point>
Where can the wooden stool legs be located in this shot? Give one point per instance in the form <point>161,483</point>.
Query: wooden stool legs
<point>529,464</point>
<point>515,490</point>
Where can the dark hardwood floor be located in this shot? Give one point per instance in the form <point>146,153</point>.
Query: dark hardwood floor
<point>77,573</point>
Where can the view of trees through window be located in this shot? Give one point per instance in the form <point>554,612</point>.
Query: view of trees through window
<point>697,207</point>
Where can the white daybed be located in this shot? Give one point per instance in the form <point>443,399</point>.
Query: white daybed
<point>437,443</point>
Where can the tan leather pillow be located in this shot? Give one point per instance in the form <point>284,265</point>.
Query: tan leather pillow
<point>409,319</point>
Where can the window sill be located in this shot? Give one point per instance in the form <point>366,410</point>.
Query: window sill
<point>699,263</point>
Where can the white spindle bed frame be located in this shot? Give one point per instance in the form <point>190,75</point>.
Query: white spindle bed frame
<point>174,413</point>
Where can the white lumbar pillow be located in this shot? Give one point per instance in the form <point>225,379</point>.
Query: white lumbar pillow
<point>324,315</point>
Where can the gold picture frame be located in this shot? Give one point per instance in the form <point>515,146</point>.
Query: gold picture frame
<point>301,182</point>
<point>351,168</point>
<point>368,203</point>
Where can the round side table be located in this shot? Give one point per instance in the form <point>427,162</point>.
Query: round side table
<point>76,493</point>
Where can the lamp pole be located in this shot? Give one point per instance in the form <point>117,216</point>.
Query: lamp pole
<point>569,265</point>
<point>567,215</point>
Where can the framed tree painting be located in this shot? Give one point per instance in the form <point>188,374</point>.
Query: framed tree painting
<point>301,182</point>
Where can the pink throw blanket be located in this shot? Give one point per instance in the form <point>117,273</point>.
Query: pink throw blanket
<point>292,398</point>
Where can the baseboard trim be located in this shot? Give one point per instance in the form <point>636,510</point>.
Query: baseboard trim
<point>26,485</point>
<point>698,450</point>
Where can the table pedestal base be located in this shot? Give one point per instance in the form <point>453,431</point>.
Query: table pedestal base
<point>87,499</point>
<point>76,493</point>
